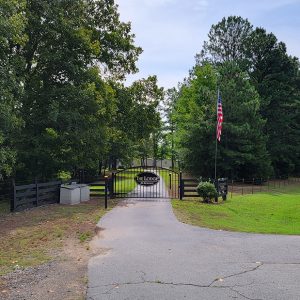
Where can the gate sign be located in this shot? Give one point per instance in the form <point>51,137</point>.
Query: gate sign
<point>147,178</point>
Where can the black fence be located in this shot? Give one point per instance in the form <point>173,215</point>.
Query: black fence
<point>35,194</point>
<point>188,186</point>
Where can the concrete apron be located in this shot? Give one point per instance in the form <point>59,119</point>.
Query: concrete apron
<point>153,256</point>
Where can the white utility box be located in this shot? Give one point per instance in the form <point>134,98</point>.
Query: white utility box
<point>70,194</point>
<point>84,192</point>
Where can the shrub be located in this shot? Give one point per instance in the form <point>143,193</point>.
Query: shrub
<point>207,191</point>
<point>64,175</point>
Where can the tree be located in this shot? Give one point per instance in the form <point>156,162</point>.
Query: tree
<point>168,110</point>
<point>136,124</point>
<point>242,152</point>
<point>226,41</point>
<point>73,47</point>
<point>273,73</point>
<point>275,76</point>
<point>194,116</point>
<point>12,36</point>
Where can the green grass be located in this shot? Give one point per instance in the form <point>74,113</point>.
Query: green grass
<point>125,181</point>
<point>276,212</point>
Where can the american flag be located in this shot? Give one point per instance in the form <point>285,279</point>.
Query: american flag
<point>219,117</point>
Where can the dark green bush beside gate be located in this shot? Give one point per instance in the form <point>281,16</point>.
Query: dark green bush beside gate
<point>207,191</point>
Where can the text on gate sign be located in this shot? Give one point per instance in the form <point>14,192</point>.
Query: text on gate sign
<point>147,178</point>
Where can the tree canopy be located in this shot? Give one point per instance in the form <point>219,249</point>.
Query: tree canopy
<point>63,104</point>
<point>259,85</point>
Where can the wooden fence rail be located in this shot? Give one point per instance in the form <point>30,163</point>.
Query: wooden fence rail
<point>35,194</point>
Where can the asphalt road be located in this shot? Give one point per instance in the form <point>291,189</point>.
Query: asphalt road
<point>153,256</point>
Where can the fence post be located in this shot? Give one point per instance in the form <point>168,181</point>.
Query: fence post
<point>106,191</point>
<point>13,198</point>
<point>170,181</point>
<point>181,187</point>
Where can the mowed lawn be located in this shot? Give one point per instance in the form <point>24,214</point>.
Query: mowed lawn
<point>276,212</point>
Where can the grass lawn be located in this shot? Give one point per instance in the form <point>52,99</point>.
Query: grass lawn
<point>125,181</point>
<point>32,237</point>
<point>277,212</point>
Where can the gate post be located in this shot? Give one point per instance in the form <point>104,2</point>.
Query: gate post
<point>181,186</point>
<point>112,185</point>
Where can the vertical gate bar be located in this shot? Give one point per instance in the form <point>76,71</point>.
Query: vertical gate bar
<point>180,186</point>
<point>115,187</point>
<point>106,187</point>
<point>112,185</point>
<point>159,184</point>
<point>143,187</point>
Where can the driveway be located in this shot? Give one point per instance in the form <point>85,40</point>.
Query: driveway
<point>150,255</point>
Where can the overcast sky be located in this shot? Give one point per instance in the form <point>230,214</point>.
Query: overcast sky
<point>171,32</point>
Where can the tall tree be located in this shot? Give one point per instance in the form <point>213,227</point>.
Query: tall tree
<point>73,47</point>
<point>12,37</point>
<point>275,75</point>
<point>136,122</point>
<point>226,41</point>
<point>242,152</point>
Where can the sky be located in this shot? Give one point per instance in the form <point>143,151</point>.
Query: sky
<point>171,32</point>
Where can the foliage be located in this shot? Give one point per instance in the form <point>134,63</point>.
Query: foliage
<point>12,35</point>
<point>207,191</point>
<point>273,73</point>
<point>60,62</point>
<point>226,41</point>
<point>242,152</point>
<point>63,175</point>
<point>136,123</point>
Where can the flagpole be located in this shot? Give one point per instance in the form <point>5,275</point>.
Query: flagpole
<point>216,151</point>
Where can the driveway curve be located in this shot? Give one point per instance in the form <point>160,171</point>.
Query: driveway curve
<point>150,255</point>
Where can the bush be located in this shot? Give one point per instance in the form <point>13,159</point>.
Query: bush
<point>64,175</point>
<point>207,191</point>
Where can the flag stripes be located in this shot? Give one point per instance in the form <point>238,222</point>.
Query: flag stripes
<point>219,117</point>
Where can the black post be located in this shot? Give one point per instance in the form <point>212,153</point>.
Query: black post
<point>170,181</point>
<point>181,187</point>
<point>13,197</point>
<point>106,191</point>
<point>112,185</point>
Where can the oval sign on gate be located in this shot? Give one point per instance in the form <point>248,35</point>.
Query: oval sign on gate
<point>147,178</point>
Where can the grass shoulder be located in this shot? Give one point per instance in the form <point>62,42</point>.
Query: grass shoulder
<point>275,212</point>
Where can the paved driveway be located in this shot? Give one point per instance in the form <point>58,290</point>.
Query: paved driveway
<point>153,256</point>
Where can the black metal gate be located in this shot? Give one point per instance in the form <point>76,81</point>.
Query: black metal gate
<point>145,182</point>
